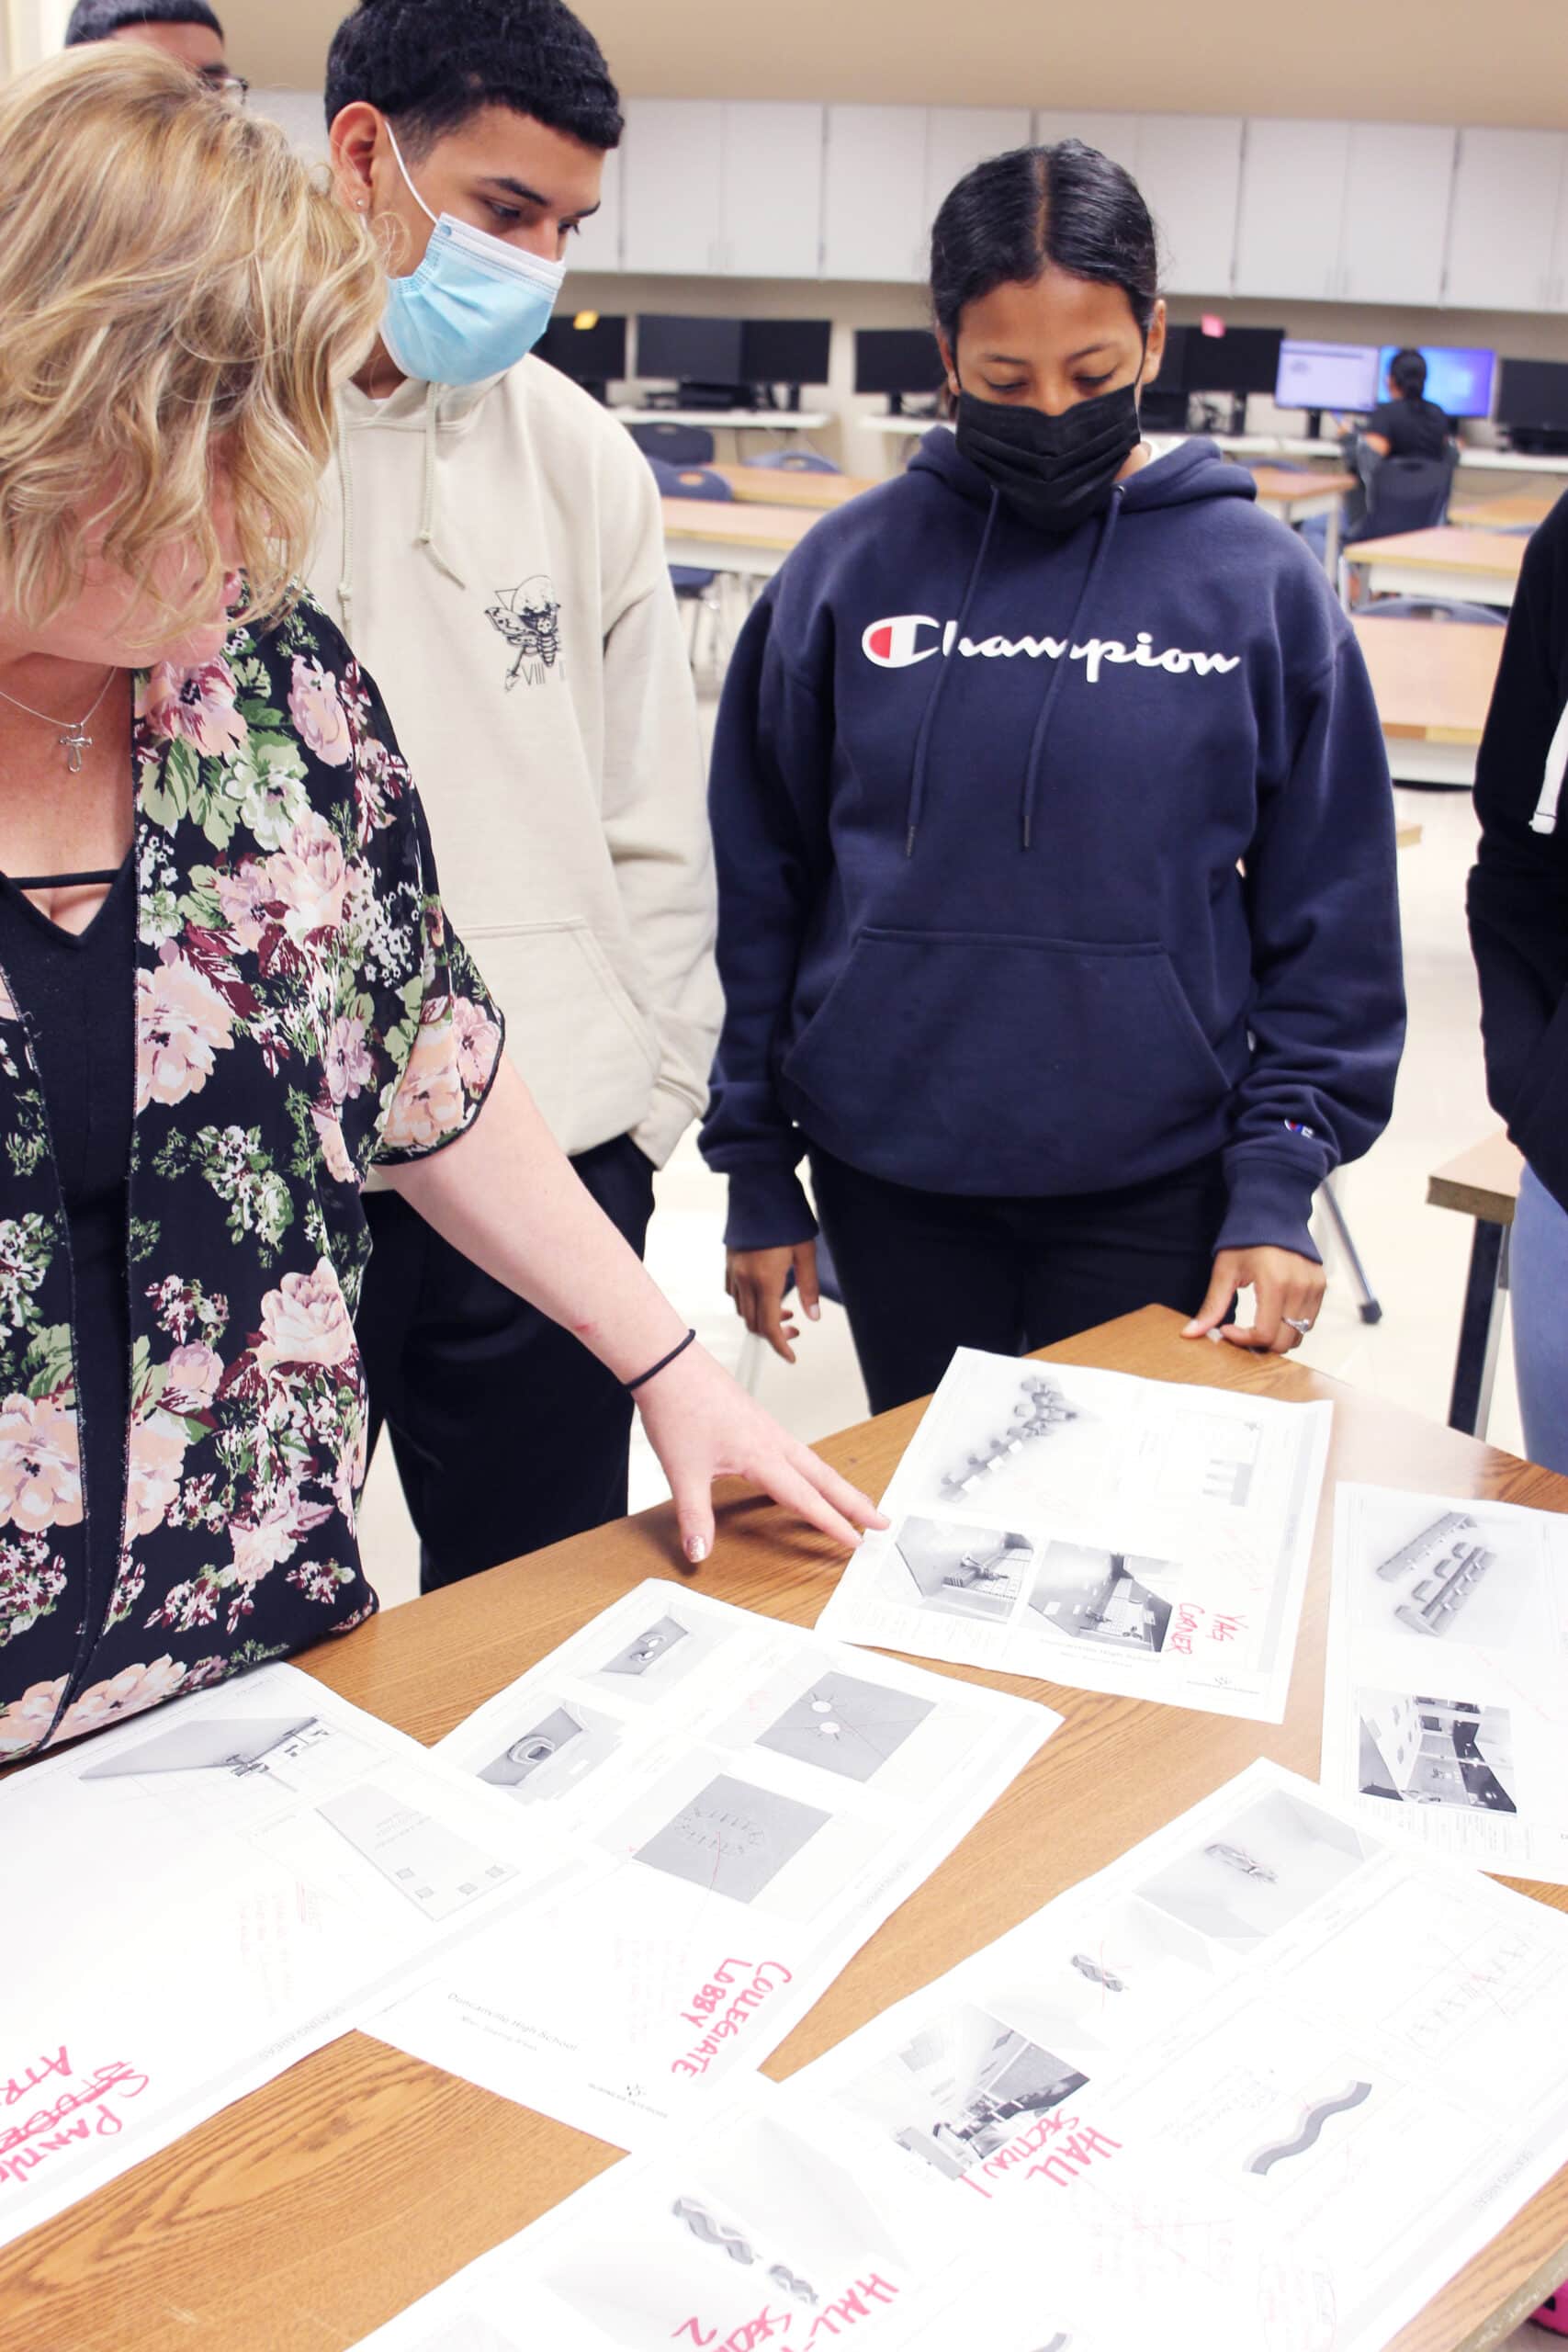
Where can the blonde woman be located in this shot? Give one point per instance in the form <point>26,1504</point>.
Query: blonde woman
<point>227,989</point>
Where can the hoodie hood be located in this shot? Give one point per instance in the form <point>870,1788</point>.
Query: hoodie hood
<point>1194,472</point>
<point>428,410</point>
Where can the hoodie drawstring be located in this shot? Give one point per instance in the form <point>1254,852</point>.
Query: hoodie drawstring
<point>1546,807</point>
<point>928,717</point>
<point>1036,760</point>
<point>425,537</point>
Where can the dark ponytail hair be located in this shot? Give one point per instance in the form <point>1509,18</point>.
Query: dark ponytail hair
<point>1407,374</point>
<point>1068,204</point>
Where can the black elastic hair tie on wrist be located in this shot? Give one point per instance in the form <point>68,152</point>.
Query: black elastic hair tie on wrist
<point>662,1366</point>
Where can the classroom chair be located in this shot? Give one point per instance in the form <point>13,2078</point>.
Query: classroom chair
<point>1407,494</point>
<point>795,461</point>
<point>676,445</point>
<point>697,590</point>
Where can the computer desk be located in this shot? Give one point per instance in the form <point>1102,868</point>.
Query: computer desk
<point>1432,682</point>
<point>1472,567</point>
<point>1297,497</point>
<point>749,540</point>
<point>1513,510</point>
<point>318,2207</point>
<point>780,486</point>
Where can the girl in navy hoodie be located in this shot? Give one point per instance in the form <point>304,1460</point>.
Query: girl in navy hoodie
<point>1058,925</point>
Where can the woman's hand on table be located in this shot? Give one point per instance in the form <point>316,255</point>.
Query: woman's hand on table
<point>704,1426</point>
<point>1288,1292</point>
<point>758,1280</point>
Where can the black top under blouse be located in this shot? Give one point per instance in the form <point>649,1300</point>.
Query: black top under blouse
<point>76,990</point>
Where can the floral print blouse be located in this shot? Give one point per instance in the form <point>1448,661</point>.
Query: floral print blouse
<point>302,1013</point>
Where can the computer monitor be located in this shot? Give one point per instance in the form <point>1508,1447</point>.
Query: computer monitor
<point>785,351</point>
<point>1344,377</point>
<point>1532,401</point>
<point>1163,404</point>
<point>589,348</point>
<point>1459,380</point>
<point>1242,360</point>
<point>896,361</point>
<point>690,351</point>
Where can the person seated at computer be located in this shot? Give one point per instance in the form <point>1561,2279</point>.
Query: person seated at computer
<point>1057,913</point>
<point>1408,424</point>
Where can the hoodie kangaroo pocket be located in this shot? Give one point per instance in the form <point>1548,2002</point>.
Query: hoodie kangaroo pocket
<point>959,1062</point>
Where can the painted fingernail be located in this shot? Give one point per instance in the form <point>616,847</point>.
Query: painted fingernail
<point>696,1550</point>
<point>814,1314</point>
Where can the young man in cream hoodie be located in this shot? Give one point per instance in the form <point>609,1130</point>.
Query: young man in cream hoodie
<point>492,546</point>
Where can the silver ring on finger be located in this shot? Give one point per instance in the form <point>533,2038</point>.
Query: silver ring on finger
<point>1302,1323</point>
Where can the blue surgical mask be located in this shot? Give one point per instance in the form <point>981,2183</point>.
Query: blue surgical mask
<point>473,308</point>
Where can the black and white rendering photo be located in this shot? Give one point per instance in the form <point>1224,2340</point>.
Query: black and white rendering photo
<point>958,1570</point>
<point>962,2087</point>
<point>1455,1573</point>
<point>732,1838</point>
<point>847,1726</point>
<point>1436,1751</point>
<point>559,1745</point>
<point>1261,1871</point>
<point>1041,1411</point>
<point>1103,1597</point>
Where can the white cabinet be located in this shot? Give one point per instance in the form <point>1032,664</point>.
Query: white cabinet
<point>671,182</point>
<point>771,202</point>
<point>1292,196</point>
<point>1115,135</point>
<point>957,138</point>
<point>873,200</point>
<point>1398,184</point>
<point>597,245</point>
<point>1189,168</point>
<point>1507,189</point>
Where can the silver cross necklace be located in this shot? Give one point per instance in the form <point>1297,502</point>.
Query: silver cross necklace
<point>73,740</point>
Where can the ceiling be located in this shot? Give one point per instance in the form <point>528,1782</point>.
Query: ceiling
<point>1401,60</point>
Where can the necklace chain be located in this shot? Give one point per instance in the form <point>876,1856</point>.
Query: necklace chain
<point>74,738</point>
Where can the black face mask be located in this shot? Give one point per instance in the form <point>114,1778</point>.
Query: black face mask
<point>1054,471</point>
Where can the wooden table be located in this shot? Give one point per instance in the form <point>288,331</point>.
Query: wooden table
<point>712,535</point>
<point>1484,1184</point>
<point>788,486</point>
<point>317,2208</point>
<point>1432,681</point>
<point>1472,567</point>
<point>1297,497</point>
<point>1516,510</point>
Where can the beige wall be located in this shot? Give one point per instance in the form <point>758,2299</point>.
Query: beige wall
<point>1403,61</point>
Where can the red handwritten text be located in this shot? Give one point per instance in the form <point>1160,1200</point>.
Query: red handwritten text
<point>1184,1626</point>
<point>1226,1629</point>
<point>87,2111</point>
<point>725,2010</point>
<point>1079,2144</point>
<point>770,2326</point>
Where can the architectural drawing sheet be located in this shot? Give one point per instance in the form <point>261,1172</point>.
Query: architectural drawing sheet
<point>1098,1530</point>
<point>1171,2083</point>
<point>196,1899</point>
<point>756,1801</point>
<point>755,2231</point>
<point>1162,2102</point>
<point>1446,1705</point>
